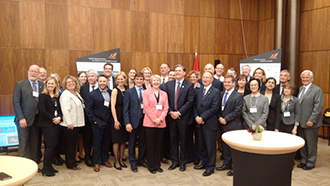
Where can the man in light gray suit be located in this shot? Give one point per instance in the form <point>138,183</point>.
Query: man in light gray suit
<point>311,104</point>
<point>25,102</point>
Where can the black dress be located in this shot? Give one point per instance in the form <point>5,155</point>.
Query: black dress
<point>121,135</point>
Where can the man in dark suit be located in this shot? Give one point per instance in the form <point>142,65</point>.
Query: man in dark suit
<point>311,104</point>
<point>88,133</point>
<point>133,119</point>
<point>108,70</point>
<point>98,112</point>
<point>206,106</point>
<point>229,116</point>
<point>284,80</point>
<point>215,83</point>
<point>25,102</point>
<point>180,97</point>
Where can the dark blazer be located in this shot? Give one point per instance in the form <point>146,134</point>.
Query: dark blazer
<point>47,110</point>
<point>84,91</point>
<point>185,100</point>
<point>278,88</point>
<point>274,112</point>
<point>294,107</point>
<point>114,82</point>
<point>215,83</point>
<point>24,102</point>
<point>132,108</point>
<point>95,109</point>
<point>207,107</point>
<point>232,111</point>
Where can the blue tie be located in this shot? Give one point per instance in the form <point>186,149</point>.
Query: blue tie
<point>141,101</point>
<point>225,100</point>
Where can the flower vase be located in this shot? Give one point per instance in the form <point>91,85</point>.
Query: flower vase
<point>257,136</point>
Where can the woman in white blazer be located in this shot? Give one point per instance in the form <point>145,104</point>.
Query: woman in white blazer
<point>72,105</point>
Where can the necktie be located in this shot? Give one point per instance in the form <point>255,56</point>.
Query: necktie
<point>203,92</point>
<point>302,92</point>
<point>36,98</point>
<point>93,87</point>
<point>176,96</point>
<point>141,101</point>
<point>163,80</point>
<point>282,89</point>
<point>225,99</point>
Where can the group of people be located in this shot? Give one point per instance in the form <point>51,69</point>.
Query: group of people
<point>169,116</point>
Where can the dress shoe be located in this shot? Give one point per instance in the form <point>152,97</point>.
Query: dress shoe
<point>53,170</point>
<point>56,161</point>
<point>230,173</point>
<point>78,161</point>
<point>182,167</point>
<point>143,164</point>
<point>199,167</point>
<point>165,161</point>
<point>208,172</point>
<point>47,173</point>
<point>173,166</point>
<point>196,163</point>
<point>301,165</point>
<point>160,170</point>
<point>81,158</point>
<point>308,167</point>
<point>124,159</point>
<point>74,168</point>
<point>89,163</point>
<point>223,167</point>
<point>96,168</point>
<point>152,171</point>
<point>60,159</point>
<point>118,168</point>
<point>123,165</point>
<point>107,164</point>
<point>134,168</point>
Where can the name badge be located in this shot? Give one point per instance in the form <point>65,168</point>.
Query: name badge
<point>142,105</point>
<point>55,113</point>
<point>253,110</point>
<point>286,113</point>
<point>106,103</point>
<point>35,94</point>
<point>159,107</point>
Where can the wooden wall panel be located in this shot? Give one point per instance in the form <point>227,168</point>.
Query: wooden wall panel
<point>30,57</point>
<point>207,8</point>
<point>267,9</point>
<point>321,28</point>
<point>189,60</point>
<point>80,2</point>
<point>57,1</point>
<point>9,19</point>
<point>140,32</point>
<point>126,61</point>
<point>206,37</point>
<point>101,3</point>
<point>222,8</point>
<point>265,36</point>
<point>121,4</point>
<point>191,34</point>
<point>205,59</point>
<point>224,59</point>
<point>305,63</point>
<point>101,29</point>
<point>174,30</point>
<point>32,20</point>
<point>250,9</point>
<point>306,31</point>
<point>57,35</point>
<point>157,33</point>
<point>73,55</point>
<point>236,45</point>
<point>174,59</point>
<point>79,28</point>
<point>321,67</point>
<point>6,106</point>
<point>10,70</point>
<point>158,6</point>
<point>156,59</point>
<point>121,36</point>
<point>140,5</point>
<point>175,7</point>
<point>234,61</point>
<point>306,5</point>
<point>321,3</point>
<point>222,36</point>
<point>58,61</point>
<point>140,60</point>
<point>192,7</point>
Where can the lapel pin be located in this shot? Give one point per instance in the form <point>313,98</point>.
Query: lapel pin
<point>182,86</point>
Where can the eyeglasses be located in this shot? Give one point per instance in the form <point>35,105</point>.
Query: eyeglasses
<point>68,82</point>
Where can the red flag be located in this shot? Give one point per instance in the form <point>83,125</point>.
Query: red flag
<point>196,64</point>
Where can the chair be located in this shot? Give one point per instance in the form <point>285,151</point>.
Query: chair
<point>325,125</point>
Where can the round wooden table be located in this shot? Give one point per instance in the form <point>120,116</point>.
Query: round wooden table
<point>266,162</point>
<point>22,170</point>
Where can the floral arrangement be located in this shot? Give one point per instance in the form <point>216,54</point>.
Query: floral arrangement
<point>256,129</point>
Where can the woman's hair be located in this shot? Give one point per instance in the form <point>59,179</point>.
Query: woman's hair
<point>146,68</point>
<point>263,73</point>
<point>270,78</point>
<point>77,88</point>
<point>82,72</point>
<point>255,79</point>
<point>193,72</point>
<point>292,87</point>
<point>56,91</point>
<point>155,77</point>
<point>57,77</point>
<point>121,73</point>
<point>240,77</point>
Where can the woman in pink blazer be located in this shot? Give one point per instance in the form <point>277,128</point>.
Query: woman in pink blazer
<point>155,104</point>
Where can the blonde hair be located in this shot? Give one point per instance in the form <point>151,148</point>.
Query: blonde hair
<point>56,91</point>
<point>155,77</point>
<point>57,77</point>
<point>77,88</point>
<point>193,72</point>
<point>121,73</point>
<point>146,68</point>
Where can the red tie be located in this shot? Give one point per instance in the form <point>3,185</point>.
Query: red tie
<point>176,96</point>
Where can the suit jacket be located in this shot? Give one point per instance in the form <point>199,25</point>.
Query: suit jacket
<point>277,90</point>
<point>84,91</point>
<point>132,108</point>
<point>151,113</point>
<point>185,100</point>
<point>311,105</point>
<point>232,111</point>
<point>274,111</point>
<point>294,107</point>
<point>114,82</point>
<point>72,109</point>
<point>215,83</point>
<point>95,109</point>
<point>258,118</point>
<point>24,102</point>
<point>207,107</point>
<point>47,110</point>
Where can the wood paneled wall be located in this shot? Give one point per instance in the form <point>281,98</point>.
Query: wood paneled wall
<point>53,33</point>
<point>314,45</point>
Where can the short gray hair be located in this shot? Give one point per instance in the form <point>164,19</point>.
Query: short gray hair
<point>285,70</point>
<point>310,73</point>
<point>92,71</point>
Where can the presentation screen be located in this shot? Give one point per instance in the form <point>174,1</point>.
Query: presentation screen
<point>8,131</point>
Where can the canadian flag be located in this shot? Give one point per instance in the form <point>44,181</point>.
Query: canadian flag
<point>196,64</point>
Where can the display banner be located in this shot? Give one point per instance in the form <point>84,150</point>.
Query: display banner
<point>96,61</point>
<point>269,61</point>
